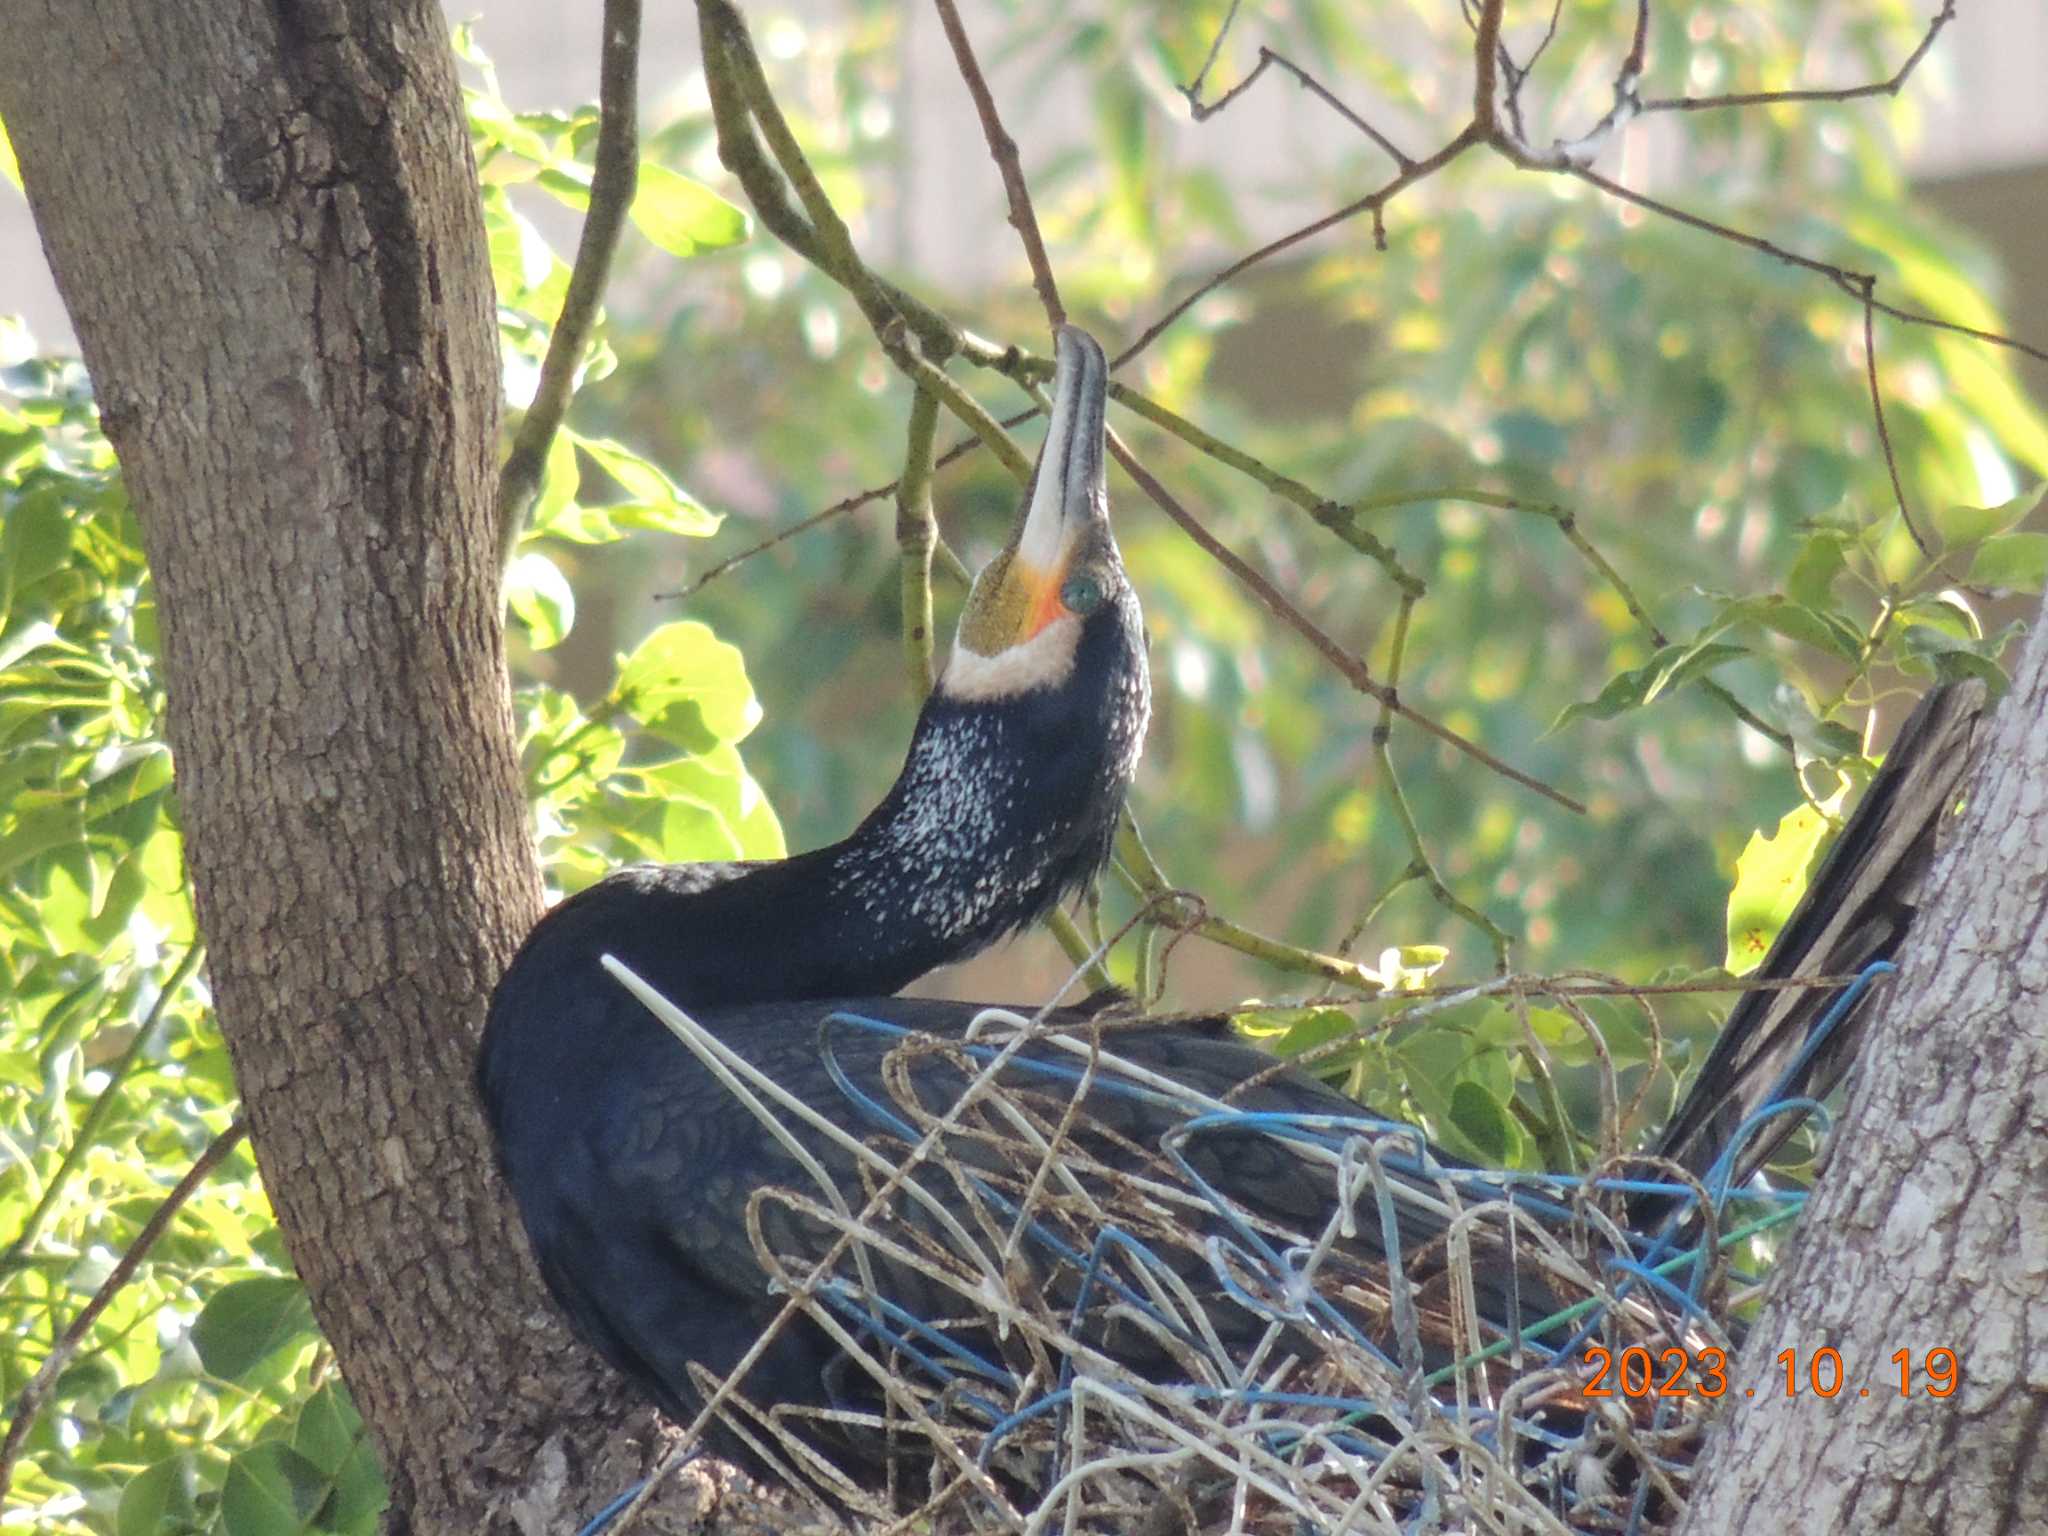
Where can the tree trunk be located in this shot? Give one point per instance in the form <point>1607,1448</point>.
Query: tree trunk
<point>265,221</point>
<point>1930,1226</point>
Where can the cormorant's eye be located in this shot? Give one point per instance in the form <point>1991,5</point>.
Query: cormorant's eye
<point>1082,594</point>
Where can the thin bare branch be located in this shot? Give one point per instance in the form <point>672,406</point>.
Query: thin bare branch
<point>614,177</point>
<point>1884,437</point>
<point>1333,516</point>
<point>1421,866</point>
<point>1486,66</point>
<point>29,1405</point>
<point>1887,87</point>
<point>1003,149</point>
<point>1193,89</point>
<point>1371,203</point>
<point>1348,666</point>
<point>944,552</point>
<point>1267,56</point>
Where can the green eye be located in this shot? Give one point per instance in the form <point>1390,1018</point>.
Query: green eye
<point>1082,594</point>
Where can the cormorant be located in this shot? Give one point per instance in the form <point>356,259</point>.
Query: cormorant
<point>633,1166</point>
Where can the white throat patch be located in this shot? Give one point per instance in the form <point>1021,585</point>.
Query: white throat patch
<point>1044,661</point>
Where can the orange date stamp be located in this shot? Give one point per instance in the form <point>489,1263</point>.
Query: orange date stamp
<point>1639,1371</point>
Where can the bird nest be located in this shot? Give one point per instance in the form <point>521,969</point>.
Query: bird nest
<point>1045,1325</point>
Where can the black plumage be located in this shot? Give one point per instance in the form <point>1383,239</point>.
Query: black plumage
<point>634,1168</point>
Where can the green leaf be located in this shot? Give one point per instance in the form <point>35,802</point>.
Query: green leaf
<point>1770,877</point>
<point>158,1496</point>
<point>246,1322</point>
<point>1483,1124</point>
<point>1948,612</point>
<point>330,1435</point>
<point>1796,621</point>
<point>683,216</point>
<point>271,1490</point>
<point>1812,579</point>
<point>1965,525</point>
<point>654,500</point>
<point>541,598</point>
<point>2017,562</point>
<point>1955,658</point>
<point>1671,668</point>
<point>1290,1031</point>
<point>687,684</point>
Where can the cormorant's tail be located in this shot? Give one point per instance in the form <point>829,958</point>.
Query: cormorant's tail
<point>1855,912</point>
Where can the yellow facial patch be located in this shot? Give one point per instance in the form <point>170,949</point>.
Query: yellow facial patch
<point>1011,602</point>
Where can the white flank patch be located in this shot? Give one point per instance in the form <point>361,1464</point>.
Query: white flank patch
<point>1044,661</point>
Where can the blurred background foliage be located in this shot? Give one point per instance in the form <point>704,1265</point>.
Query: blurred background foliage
<point>1700,413</point>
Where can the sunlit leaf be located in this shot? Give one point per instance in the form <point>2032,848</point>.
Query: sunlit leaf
<point>683,216</point>
<point>540,597</point>
<point>2015,561</point>
<point>1964,525</point>
<point>1770,877</point>
<point>654,501</point>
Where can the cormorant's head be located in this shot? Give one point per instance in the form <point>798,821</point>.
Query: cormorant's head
<point>1009,796</point>
<point>1059,575</point>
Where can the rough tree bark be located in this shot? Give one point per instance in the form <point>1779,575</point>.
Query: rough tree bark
<point>1930,1227</point>
<point>265,221</point>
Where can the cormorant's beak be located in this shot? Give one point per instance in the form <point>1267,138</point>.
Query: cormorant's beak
<point>1049,568</point>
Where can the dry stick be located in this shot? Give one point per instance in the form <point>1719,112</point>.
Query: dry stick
<point>29,1405</point>
<point>1309,83</point>
<point>88,1131</point>
<point>1420,863</point>
<point>614,177</point>
<point>943,551</point>
<point>1004,150</point>
<point>1353,670</point>
<point>1890,87</point>
<point>1884,437</point>
<point>1372,202</point>
<point>1861,285</point>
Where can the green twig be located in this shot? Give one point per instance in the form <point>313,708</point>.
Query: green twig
<point>1151,886</point>
<point>917,534</point>
<point>1334,516</point>
<point>1067,934</point>
<point>741,98</point>
<point>930,377</point>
